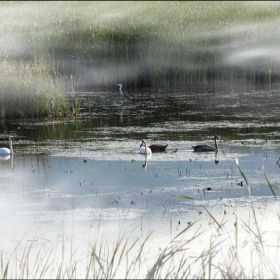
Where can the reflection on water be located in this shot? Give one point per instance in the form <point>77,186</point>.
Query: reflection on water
<point>147,157</point>
<point>190,115</point>
<point>217,157</point>
<point>7,160</point>
<point>125,111</point>
<point>48,191</point>
<point>4,157</point>
<point>78,171</point>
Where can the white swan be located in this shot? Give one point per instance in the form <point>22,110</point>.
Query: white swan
<point>6,151</point>
<point>144,149</point>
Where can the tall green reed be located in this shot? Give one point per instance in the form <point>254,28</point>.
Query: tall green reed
<point>150,43</point>
<point>167,44</point>
<point>28,91</point>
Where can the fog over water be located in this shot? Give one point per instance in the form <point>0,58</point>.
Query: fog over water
<point>233,35</point>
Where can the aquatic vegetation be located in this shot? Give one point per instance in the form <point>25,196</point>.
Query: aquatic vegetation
<point>75,106</point>
<point>142,44</point>
<point>147,43</point>
<point>170,44</point>
<point>28,91</point>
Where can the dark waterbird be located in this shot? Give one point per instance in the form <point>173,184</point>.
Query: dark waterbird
<point>206,148</point>
<point>155,148</point>
<point>123,94</point>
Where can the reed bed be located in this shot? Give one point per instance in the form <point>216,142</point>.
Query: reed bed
<point>139,44</point>
<point>146,43</point>
<point>171,44</point>
<point>155,41</point>
<point>27,92</point>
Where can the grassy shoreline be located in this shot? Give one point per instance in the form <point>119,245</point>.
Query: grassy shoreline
<point>53,48</point>
<point>145,43</point>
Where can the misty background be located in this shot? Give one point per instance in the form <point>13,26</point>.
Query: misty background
<point>87,45</point>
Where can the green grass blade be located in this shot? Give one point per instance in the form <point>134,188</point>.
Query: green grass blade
<point>270,186</point>
<point>244,177</point>
<point>5,275</point>
<point>181,196</point>
<point>213,218</point>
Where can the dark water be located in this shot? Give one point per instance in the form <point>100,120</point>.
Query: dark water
<point>190,115</point>
<point>86,168</point>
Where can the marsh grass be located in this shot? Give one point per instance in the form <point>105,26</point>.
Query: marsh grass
<point>169,43</point>
<point>228,249</point>
<point>28,91</point>
<point>147,43</point>
<point>138,44</point>
<point>76,106</point>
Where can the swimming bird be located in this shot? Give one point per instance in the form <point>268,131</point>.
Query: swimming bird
<point>155,148</point>
<point>123,94</point>
<point>6,151</point>
<point>144,149</point>
<point>206,148</point>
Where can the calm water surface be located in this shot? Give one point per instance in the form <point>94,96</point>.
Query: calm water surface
<point>71,173</point>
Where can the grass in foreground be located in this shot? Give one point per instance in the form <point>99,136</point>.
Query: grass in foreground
<point>239,248</point>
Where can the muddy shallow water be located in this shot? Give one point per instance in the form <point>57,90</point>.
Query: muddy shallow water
<point>73,172</point>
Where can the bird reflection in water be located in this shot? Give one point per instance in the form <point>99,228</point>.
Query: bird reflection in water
<point>124,111</point>
<point>145,165</point>
<point>217,157</point>
<point>6,158</point>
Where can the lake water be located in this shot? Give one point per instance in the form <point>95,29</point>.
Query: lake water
<point>68,175</point>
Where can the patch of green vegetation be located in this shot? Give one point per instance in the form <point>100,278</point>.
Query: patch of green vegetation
<point>99,43</point>
<point>27,91</point>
